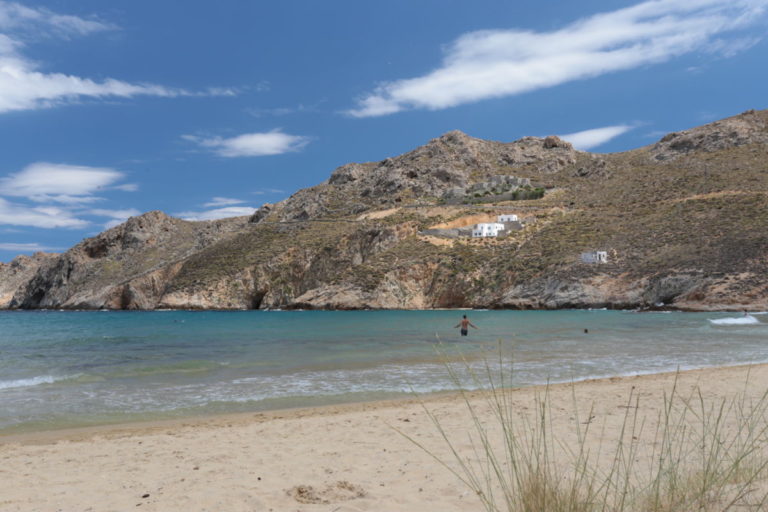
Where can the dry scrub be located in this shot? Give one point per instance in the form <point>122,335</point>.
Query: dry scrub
<point>695,453</point>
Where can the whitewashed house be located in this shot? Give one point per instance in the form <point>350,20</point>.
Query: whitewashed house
<point>594,257</point>
<point>508,217</point>
<point>487,229</point>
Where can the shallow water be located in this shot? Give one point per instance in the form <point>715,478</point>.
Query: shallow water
<point>63,369</point>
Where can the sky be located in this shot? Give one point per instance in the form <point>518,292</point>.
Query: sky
<point>209,109</point>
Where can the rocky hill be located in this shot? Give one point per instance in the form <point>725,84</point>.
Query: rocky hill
<point>684,221</point>
<point>18,272</point>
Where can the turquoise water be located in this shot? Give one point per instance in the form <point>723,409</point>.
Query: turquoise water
<point>64,369</point>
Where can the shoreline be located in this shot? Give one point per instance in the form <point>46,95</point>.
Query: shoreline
<point>752,308</point>
<point>123,429</point>
<point>81,391</point>
<point>341,458</point>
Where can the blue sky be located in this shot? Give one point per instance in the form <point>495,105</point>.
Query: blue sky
<point>203,110</point>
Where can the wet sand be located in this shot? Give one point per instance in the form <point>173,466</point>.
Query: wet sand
<point>338,458</point>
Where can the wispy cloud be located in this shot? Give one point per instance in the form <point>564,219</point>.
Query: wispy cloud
<point>588,139</point>
<point>218,213</point>
<point>222,201</point>
<point>221,91</point>
<point>39,216</point>
<point>284,111</point>
<point>496,63</point>
<point>117,216</point>
<point>48,195</point>
<point>23,86</point>
<point>127,187</point>
<point>15,16</point>
<point>33,247</point>
<point>274,142</point>
<point>61,183</point>
<point>265,191</point>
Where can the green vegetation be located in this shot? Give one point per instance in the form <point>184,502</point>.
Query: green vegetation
<point>520,194</point>
<point>528,193</point>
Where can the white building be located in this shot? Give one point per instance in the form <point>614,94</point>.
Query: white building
<point>508,217</point>
<point>594,257</point>
<point>486,229</point>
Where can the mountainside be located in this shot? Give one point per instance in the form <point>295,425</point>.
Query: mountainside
<point>684,222</point>
<point>18,272</point>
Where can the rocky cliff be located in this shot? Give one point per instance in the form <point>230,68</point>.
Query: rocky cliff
<point>684,222</point>
<point>126,267</point>
<point>18,273</point>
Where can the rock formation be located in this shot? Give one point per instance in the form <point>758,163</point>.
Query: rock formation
<point>18,272</point>
<point>747,128</point>
<point>124,267</point>
<point>685,223</point>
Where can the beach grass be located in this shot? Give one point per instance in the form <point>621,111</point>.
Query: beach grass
<point>694,453</point>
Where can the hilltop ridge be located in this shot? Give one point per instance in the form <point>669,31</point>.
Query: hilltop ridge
<point>683,220</point>
<point>452,161</point>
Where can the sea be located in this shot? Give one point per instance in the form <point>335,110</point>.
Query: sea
<point>65,369</point>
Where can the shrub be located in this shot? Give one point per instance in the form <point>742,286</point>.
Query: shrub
<point>704,455</point>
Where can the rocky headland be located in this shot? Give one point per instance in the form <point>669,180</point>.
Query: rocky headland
<point>684,222</point>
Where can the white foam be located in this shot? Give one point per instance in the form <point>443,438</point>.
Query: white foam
<point>23,383</point>
<point>739,320</point>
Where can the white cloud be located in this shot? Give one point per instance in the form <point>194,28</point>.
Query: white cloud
<point>265,191</point>
<point>68,184</point>
<point>588,139</point>
<point>222,201</point>
<point>495,63</point>
<point>117,216</point>
<point>23,86</point>
<point>38,217</point>
<point>284,111</point>
<point>61,193</point>
<point>221,91</point>
<point>16,16</point>
<point>252,144</point>
<point>218,213</point>
<point>33,247</point>
<point>112,223</point>
<point>729,48</point>
<point>655,134</point>
<point>127,187</point>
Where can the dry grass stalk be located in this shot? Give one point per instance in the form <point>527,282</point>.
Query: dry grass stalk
<point>704,455</point>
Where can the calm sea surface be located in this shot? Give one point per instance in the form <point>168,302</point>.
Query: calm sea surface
<point>65,369</point>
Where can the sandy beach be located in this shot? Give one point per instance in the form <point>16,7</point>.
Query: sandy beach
<point>340,458</point>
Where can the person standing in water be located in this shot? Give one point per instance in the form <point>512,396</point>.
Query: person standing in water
<point>465,324</point>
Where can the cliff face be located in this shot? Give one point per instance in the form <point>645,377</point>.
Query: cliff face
<point>18,272</point>
<point>125,267</point>
<point>684,221</point>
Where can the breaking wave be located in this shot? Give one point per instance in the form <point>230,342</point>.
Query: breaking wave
<point>34,381</point>
<point>739,320</point>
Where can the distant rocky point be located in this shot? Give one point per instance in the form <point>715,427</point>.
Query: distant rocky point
<point>683,224</point>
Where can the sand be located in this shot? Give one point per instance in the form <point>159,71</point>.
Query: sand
<point>339,458</point>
